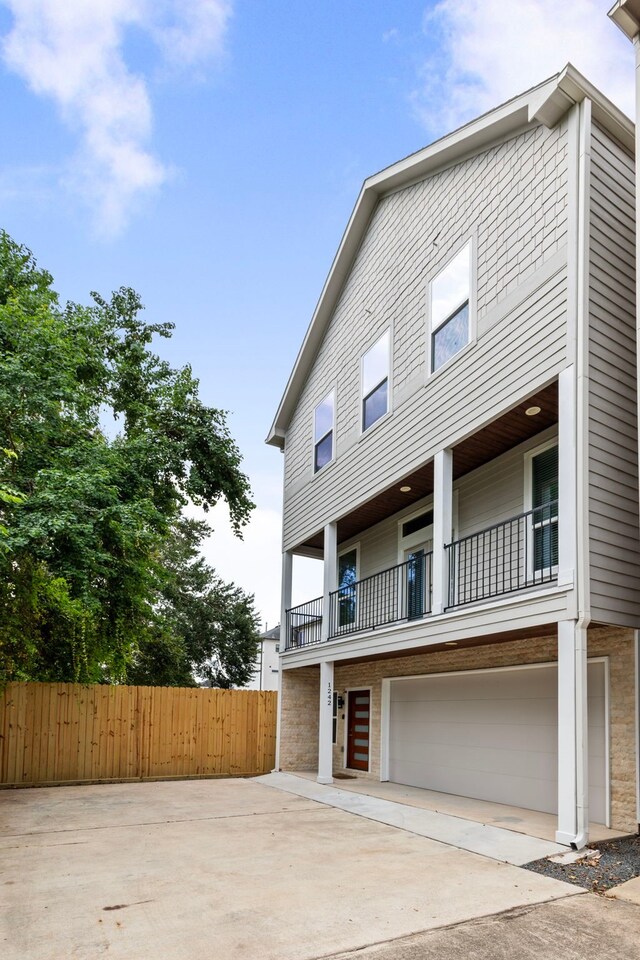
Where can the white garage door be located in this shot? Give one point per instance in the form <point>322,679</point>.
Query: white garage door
<point>492,736</point>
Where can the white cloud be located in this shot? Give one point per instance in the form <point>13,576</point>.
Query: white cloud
<point>73,53</point>
<point>487,51</point>
<point>254,562</point>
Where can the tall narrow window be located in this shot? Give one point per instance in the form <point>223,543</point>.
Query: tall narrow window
<point>323,432</point>
<point>450,329</point>
<point>544,489</point>
<point>347,587</point>
<point>375,382</point>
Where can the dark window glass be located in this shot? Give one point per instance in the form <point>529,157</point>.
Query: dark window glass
<point>418,523</point>
<point>415,584</point>
<point>544,470</point>
<point>545,477</point>
<point>374,405</point>
<point>347,573</point>
<point>546,546</point>
<point>451,337</point>
<point>324,451</point>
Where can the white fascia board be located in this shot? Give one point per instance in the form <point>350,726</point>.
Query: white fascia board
<point>546,103</point>
<point>626,15</point>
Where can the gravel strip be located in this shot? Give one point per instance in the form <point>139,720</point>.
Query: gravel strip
<point>610,863</point>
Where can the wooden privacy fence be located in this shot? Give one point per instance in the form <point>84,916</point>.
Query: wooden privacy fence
<point>69,733</point>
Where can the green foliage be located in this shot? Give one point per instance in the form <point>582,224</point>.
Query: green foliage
<point>89,523</point>
<point>201,625</point>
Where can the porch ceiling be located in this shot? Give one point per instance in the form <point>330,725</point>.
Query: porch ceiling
<point>526,633</point>
<point>486,444</point>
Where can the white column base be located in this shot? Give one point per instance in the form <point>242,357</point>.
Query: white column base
<point>320,779</point>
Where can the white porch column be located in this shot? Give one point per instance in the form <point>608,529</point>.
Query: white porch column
<point>573,765</point>
<point>325,727</point>
<point>285,595</point>
<point>567,485</point>
<point>442,526</point>
<point>330,573</point>
<point>285,604</point>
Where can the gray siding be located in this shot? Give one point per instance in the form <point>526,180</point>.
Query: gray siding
<point>613,465</point>
<point>513,198</point>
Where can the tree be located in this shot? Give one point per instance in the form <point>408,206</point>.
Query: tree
<point>85,520</point>
<point>201,626</point>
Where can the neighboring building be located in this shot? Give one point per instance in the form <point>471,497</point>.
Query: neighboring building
<point>460,447</point>
<point>267,662</point>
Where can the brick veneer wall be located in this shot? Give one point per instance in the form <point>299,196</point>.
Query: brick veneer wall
<point>300,702</point>
<point>300,712</point>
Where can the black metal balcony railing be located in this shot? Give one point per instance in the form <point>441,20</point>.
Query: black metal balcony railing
<point>516,554</point>
<point>304,624</point>
<point>512,555</point>
<point>402,592</point>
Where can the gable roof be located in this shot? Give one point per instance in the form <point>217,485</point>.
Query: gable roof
<point>546,103</point>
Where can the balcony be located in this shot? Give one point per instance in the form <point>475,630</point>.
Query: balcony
<point>517,554</point>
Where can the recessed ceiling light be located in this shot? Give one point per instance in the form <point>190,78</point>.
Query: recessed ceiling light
<point>532,411</point>
<point>451,643</point>
<point>405,489</point>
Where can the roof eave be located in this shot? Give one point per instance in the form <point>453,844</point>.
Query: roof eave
<point>626,15</point>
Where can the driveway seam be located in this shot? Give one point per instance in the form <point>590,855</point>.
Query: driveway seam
<point>151,823</point>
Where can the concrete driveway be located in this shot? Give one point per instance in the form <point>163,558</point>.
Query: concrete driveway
<point>228,869</point>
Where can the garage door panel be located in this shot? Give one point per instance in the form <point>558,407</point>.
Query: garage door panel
<point>489,761</point>
<point>505,711</point>
<point>483,686</point>
<point>542,794</point>
<point>493,736</point>
<point>541,737</point>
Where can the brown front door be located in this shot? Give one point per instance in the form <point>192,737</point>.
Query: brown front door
<point>358,730</point>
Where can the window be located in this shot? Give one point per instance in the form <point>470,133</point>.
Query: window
<point>450,318</point>
<point>417,523</point>
<point>375,382</point>
<point>277,648</point>
<point>323,432</point>
<point>347,590</point>
<point>544,496</point>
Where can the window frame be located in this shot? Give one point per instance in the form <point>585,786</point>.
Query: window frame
<point>315,469</point>
<point>469,240</point>
<point>388,332</point>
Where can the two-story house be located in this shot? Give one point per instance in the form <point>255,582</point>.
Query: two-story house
<point>460,448</point>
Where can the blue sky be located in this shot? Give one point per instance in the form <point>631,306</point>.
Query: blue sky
<point>209,152</point>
